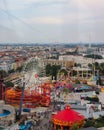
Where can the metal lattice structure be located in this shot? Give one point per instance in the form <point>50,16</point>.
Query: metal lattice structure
<point>33,70</point>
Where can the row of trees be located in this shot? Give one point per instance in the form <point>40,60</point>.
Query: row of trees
<point>91,122</point>
<point>97,66</point>
<point>52,71</point>
<point>94,56</point>
<point>4,74</point>
<point>95,122</point>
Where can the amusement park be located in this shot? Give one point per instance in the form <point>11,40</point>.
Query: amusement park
<point>51,65</point>
<point>55,102</point>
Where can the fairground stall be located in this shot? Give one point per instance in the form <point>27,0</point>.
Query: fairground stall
<point>66,119</point>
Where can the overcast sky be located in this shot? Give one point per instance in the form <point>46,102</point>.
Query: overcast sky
<point>51,21</point>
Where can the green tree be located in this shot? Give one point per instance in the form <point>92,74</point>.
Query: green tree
<point>94,56</point>
<point>101,69</point>
<point>8,84</point>
<point>52,71</point>
<point>90,65</point>
<point>77,65</point>
<point>99,122</point>
<point>99,82</point>
<point>96,64</point>
<point>48,70</point>
<point>64,72</point>
<point>11,71</point>
<point>73,73</point>
<point>77,81</point>
<point>75,127</point>
<point>89,123</point>
<point>3,73</point>
<point>19,69</point>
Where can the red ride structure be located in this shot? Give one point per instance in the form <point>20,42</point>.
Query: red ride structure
<point>40,96</point>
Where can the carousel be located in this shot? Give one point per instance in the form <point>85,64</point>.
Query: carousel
<point>66,119</point>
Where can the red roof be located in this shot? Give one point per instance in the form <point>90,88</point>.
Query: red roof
<point>68,115</point>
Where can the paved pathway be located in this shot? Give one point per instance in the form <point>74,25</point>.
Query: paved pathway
<point>44,124</point>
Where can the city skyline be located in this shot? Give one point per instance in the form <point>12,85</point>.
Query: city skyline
<point>51,21</point>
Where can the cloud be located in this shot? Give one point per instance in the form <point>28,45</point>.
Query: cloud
<point>23,4</point>
<point>45,20</point>
<point>8,34</point>
<point>90,3</point>
<point>53,16</point>
<point>95,7</point>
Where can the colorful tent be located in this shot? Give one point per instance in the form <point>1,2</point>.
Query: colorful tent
<point>60,84</point>
<point>67,118</point>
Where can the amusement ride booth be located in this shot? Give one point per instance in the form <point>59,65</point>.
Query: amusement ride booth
<point>66,119</point>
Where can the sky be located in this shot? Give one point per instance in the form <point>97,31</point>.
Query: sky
<point>51,21</point>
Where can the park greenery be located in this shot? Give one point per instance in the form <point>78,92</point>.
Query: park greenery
<point>9,84</point>
<point>94,56</point>
<point>94,122</point>
<point>75,127</point>
<point>3,74</point>
<point>52,70</point>
<point>97,67</point>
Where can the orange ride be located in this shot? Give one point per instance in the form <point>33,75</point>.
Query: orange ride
<point>31,97</point>
<point>102,89</point>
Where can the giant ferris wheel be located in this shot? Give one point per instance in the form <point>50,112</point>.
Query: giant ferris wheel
<point>32,72</point>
